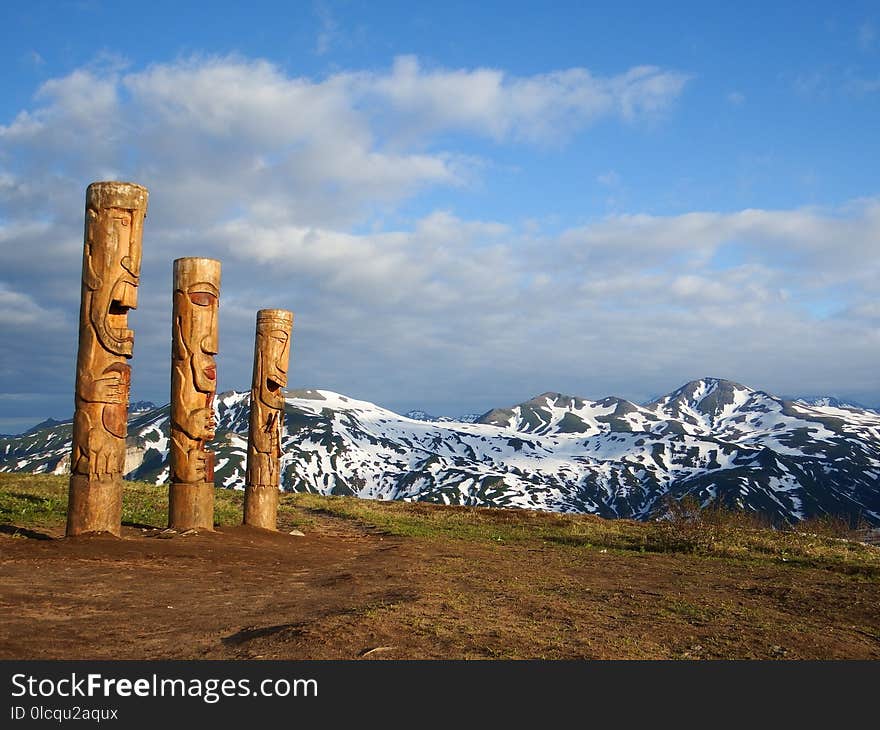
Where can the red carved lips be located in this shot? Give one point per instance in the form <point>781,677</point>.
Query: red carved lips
<point>211,372</point>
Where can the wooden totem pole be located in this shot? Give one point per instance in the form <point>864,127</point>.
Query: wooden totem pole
<point>271,357</point>
<point>193,385</point>
<point>114,220</point>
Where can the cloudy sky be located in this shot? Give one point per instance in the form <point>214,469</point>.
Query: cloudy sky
<point>464,205</point>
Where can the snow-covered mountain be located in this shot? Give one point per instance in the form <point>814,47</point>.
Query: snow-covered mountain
<point>419,415</point>
<point>714,439</point>
<point>48,423</point>
<point>832,401</point>
<point>141,406</point>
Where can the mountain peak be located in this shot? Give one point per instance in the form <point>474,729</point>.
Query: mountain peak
<point>553,397</point>
<point>706,398</point>
<point>830,401</point>
<point>695,391</point>
<point>141,406</point>
<point>48,423</point>
<point>714,439</point>
<point>712,383</point>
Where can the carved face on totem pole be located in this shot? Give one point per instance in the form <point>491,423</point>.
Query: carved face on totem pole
<point>196,335</point>
<point>271,358</point>
<point>273,348</point>
<point>194,372</point>
<point>110,275</point>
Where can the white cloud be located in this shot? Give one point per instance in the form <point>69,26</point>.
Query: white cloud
<point>235,139</point>
<point>463,306</point>
<point>543,108</point>
<point>280,176</point>
<point>322,151</point>
<point>20,311</point>
<point>834,244</point>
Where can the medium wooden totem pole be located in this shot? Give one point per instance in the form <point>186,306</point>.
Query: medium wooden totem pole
<point>271,357</point>
<point>193,385</point>
<point>114,220</point>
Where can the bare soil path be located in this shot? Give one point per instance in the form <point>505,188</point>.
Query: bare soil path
<point>345,591</point>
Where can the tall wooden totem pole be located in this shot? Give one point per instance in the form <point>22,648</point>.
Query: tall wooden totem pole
<point>114,221</point>
<point>271,358</point>
<point>193,385</point>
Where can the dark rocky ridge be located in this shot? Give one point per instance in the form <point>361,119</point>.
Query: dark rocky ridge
<point>713,439</point>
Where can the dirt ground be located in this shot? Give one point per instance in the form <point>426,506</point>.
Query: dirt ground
<point>347,592</point>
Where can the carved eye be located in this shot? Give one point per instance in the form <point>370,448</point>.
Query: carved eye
<point>201,298</point>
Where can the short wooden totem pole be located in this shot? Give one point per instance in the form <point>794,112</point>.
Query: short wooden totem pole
<point>193,385</point>
<point>271,357</point>
<point>114,221</point>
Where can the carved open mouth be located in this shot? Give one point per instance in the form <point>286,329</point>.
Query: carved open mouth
<point>211,372</point>
<point>273,386</point>
<point>117,322</point>
<point>122,299</point>
<point>110,320</point>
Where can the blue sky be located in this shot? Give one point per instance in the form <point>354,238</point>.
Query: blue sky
<point>465,205</point>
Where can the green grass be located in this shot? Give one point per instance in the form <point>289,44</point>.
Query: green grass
<point>40,500</point>
<point>712,533</point>
<point>33,501</point>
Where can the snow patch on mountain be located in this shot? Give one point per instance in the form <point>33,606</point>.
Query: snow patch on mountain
<point>714,439</point>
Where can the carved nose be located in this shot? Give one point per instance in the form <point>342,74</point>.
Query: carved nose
<point>128,298</point>
<point>132,264</point>
<point>209,344</point>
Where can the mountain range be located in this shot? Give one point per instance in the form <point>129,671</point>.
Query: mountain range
<point>715,440</point>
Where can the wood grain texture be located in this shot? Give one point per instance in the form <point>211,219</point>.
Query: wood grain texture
<point>271,361</point>
<point>114,219</point>
<point>194,344</point>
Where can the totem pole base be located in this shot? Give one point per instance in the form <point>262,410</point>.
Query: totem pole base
<point>191,506</point>
<point>261,507</point>
<point>94,505</point>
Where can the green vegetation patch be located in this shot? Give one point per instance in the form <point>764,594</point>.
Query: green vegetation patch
<point>32,500</point>
<point>40,500</point>
<point>37,500</point>
<point>716,532</point>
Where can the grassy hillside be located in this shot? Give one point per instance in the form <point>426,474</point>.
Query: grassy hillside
<point>402,580</point>
<point>34,501</point>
